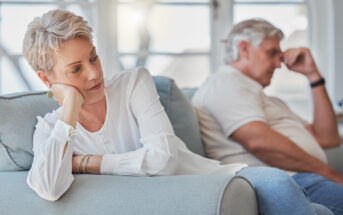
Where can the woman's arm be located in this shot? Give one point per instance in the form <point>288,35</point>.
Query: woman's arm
<point>51,171</point>
<point>162,153</point>
<point>155,131</point>
<point>92,165</point>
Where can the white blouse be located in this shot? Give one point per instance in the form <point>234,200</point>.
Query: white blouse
<point>137,138</point>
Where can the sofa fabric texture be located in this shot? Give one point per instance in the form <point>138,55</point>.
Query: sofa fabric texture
<point>110,194</point>
<point>17,123</point>
<point>18,118</point>
<point>106,194</point>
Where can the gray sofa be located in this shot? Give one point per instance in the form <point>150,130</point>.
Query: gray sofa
<point>104,194</point>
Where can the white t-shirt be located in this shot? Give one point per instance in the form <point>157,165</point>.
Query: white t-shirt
<point>228,100</point>
<point>137,135</point>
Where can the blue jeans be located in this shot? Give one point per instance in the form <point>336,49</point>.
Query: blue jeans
<point>322,191</point>
<point>278,194</point>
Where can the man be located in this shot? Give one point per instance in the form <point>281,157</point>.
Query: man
<point>239,123</point>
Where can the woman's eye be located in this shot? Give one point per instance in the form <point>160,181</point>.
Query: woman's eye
<point>77,69</point>
<point>94,59</point>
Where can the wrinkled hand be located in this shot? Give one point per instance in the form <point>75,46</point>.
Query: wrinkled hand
<point>61,91</point>
<point>300,60</point>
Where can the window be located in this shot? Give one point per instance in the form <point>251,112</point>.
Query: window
<point>15,73</point>
<point>173,38</point>
<point>160,35</point>
<point>170,38</point>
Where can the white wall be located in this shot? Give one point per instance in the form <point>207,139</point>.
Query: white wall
<point>338,50</point>
<point>326,33</point>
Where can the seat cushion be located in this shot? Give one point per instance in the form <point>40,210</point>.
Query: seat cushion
<point>18,117</point>
<point>189,92</point>
<point>335,158</point>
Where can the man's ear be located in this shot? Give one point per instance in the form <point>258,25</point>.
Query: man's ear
<point>43,75</point>
<point>243,50</point>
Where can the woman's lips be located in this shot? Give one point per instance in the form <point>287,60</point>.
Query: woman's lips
<point>96,86</point>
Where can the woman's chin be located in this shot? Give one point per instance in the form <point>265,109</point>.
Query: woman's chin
<point>95,98</point>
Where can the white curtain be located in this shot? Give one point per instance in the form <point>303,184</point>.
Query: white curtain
<point>222,19</point>
<point>322,42</point>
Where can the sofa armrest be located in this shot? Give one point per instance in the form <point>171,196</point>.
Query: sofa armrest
<point>104,194</point>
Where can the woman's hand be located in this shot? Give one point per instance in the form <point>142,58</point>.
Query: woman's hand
<point>300,60</point>
<point>70,99</point>
<point>62,92</point>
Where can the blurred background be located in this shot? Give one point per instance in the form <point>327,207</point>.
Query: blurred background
<point>181,39</point>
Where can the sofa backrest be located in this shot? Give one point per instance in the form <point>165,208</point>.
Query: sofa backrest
<point>189,93</point>
<point>18,116</point>
<point>180,112</point>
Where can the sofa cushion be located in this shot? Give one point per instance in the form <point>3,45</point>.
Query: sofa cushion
<point>18,117</point>
<point>180,112</point>
<point>189,93</point>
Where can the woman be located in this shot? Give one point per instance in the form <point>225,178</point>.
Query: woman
<point>115,126</point>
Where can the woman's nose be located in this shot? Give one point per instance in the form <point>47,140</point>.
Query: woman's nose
<point>93,72</point>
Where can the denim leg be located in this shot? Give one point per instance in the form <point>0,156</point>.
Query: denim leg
<point>321,210</point>
<point>277,193</point>
<point>322,190</point>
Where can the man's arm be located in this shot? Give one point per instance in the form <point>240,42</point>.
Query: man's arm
<point>324,127</point>
<point>279,151</point>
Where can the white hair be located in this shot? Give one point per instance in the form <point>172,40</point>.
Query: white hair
<point>253,31</point>
<point>46,33</point>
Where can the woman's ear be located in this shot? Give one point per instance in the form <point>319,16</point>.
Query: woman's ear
<point>43,75</point>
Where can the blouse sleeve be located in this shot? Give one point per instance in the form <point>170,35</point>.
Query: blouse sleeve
<point>51,172</point>
<point>162,153</point>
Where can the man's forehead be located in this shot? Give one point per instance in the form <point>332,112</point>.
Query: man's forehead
<point>269,44</point>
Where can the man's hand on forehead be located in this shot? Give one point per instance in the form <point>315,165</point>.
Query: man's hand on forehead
<point>300,60</point>
<point>294,56</point>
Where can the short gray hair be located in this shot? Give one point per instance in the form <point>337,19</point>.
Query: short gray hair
<point>46,33</point>
<point>253,31</point>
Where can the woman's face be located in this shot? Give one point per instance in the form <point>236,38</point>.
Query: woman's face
<point>77,64</point>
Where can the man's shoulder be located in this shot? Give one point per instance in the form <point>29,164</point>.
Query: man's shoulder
<point>223,84</point>
<point>229,78</point>
<point>227,72</point>
<point>226,79</point>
